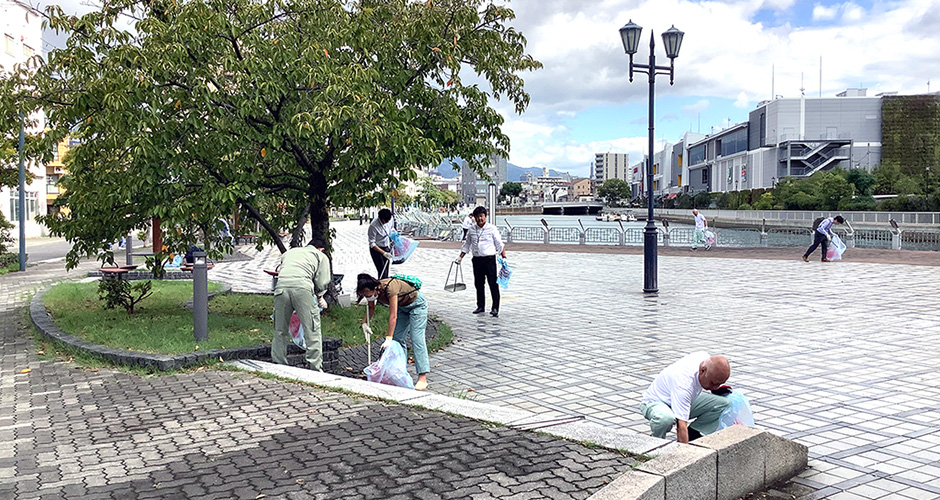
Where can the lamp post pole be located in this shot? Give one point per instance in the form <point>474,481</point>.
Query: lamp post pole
<point>672,40</point>
<point>22,195</point>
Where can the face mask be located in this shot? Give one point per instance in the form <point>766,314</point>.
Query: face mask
<point>372,298</point>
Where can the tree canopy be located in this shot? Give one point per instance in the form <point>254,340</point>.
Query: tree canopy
<point>614,190</point>
<point>274,108</point>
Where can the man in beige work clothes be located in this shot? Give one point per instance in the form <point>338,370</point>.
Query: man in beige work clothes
<point>303,278</point>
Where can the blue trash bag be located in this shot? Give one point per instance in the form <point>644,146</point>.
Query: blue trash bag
<point>504,273</point>
<point>738,412</point>
<point>391,368</point>
<point>402,247</point>
<point>176,262</point>
<point>836,248</point>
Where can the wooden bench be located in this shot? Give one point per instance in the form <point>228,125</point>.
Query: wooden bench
<point>113,272</point>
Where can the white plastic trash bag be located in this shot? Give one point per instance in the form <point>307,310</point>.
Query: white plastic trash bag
<point>709,238</point>
<point>391,368</point>
<point>738,412</point>
<point>836,248</point>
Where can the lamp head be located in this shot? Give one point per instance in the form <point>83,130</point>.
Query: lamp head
<point>672,41</point>
<point>630,35</point>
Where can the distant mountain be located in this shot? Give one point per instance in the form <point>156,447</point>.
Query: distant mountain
<point>516,173</point>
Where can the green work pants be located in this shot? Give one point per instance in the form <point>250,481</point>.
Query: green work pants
<point>704,414</point>
<point>286,301</point>
<point>698,236</point>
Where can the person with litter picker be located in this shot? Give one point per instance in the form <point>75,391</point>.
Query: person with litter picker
<point>407,316</point>
<point>485,242</point>
<point>822,235</point>
<point>675,397</point>
<point>303,278</point>
<point>380,248</point>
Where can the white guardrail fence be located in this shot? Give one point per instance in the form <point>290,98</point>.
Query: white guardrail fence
<point>797,232</point>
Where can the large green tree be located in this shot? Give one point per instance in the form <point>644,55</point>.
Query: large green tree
<point>614,190</point>
<point>275,108</point>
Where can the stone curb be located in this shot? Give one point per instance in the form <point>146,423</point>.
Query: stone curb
<point>725,465</point>
<point>161,362</point>
<point>722,466</point>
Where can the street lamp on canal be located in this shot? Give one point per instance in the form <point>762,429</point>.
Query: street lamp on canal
<point>672,40</point>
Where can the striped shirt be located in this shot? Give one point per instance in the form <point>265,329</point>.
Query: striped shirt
<point>825,227</point>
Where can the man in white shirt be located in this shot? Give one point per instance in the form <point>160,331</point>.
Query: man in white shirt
<point>675,397</point>
<point>466,225</point>
<point>700,226</point>
<point>485,242</point>
<point>379,245</point>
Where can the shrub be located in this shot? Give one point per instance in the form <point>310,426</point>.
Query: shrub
<point>117,292</point>
<point>858,204</point>
<point>766,202</point>
<point>702,199</point>
<point>745,206</point>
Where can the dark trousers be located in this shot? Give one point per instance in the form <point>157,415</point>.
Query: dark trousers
<point>381,263</point>
<point>818,239</point>
<point>484,269</point>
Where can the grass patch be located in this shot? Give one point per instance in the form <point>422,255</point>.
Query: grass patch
<point>162,325</point>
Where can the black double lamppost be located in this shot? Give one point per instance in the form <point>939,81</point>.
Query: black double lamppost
<point>672,40</point>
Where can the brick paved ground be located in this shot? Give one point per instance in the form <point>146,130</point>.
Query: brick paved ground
<point>840,357</point>
<point>72,433</point>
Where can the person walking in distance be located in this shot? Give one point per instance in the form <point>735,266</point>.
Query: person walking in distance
<point>701,224</point>
<point>484,241</point>
<point>379,245</point>
<point>822,235</point>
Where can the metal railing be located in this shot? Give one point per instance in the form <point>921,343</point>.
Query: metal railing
<point>808,216</point>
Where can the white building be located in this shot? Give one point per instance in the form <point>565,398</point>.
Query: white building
<point>611,166</point>
<point>22,38</point>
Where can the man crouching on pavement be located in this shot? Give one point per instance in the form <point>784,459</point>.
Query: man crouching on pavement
<point>675,397</point>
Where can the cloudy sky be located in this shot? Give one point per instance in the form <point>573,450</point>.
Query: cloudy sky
<point>735,54</point>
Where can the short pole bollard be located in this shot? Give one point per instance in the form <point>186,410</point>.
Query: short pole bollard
<point>200,297</point>
<point>129,249</point>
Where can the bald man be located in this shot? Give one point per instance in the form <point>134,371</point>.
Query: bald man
<point>675,397</point>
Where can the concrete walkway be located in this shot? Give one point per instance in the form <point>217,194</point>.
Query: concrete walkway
<point>839,357</point>
<point>68,433</point>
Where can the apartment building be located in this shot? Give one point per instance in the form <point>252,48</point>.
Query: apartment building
<point>22,39</point>
<point>611,166</point>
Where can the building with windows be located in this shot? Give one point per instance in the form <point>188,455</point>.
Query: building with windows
<point>22,39</point>
<point>473,187</point>
<point>719,161</point>
<point>611,166</point>
<point>581,190</point>
<point>793,137</point>
<point>55,170</point>
<point>798,137</point>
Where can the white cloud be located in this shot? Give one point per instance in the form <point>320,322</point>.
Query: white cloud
<point>695,109</point>
<point>825,12</point>
<point>852,12</point>
<point>742,101</point>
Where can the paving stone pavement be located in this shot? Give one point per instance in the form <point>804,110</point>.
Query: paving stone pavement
<point>840,357</point>
<point>96,434</point>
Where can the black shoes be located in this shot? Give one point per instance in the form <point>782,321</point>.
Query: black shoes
<point>478,310</point>
<point>494,313</point>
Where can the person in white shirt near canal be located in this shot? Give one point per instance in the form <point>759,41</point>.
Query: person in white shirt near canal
<point>822,235</point>
<point>466,225</point>
<point>484,241</point>
<point>380,247</point>
<point>675,397</point>
<point>701,224</point>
